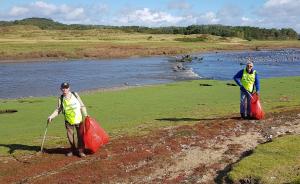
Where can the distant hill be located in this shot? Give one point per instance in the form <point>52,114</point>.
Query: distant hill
<point>244,32</point>
<point>44,23</point>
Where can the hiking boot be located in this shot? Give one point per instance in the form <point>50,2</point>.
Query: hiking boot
<point>69,154</point>
<point>243,116</point>
<point>82,155</point>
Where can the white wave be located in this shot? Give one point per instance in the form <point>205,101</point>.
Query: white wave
<point>191,74</point>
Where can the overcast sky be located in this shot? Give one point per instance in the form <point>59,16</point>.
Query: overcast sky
<point>154,13</point>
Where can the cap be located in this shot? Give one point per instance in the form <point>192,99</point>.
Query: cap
<point>249,63</point>
<point>65,85</point>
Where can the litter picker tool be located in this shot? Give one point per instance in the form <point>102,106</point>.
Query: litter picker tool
<point>42,146</point>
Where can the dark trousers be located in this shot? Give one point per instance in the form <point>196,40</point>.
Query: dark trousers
<point>71,137</point>
<point>245,104</point>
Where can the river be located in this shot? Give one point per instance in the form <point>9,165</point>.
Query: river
<point>43,78</point>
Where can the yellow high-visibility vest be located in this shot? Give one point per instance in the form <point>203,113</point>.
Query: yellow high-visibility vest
<point>248,80</point>
<point>72,110</point>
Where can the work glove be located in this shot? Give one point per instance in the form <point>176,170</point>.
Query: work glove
<point>49,120</point>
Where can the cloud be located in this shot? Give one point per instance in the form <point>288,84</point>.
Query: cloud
<point>229,15</point>
<point>280,13</point>
<point>275,3</point>
<point>46,8</point>
<point>147,17</point>
<point>179,5</point>
<point>101,8</point>
<point>77,13</point>
<point>18,11</point>
<point>62,12</point>
<point>207,18</point>
<point>270,14</point>
<point>280,8</point>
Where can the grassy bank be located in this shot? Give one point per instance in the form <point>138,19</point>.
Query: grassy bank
<point>30,42</point>
<point>137,110</point>
<point>272,163</point>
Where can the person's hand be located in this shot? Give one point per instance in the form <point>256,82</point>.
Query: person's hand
<point>257,94</point>
<point>49,120</point>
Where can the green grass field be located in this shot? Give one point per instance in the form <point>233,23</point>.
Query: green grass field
<point>137,110</point>
<point>273,163</point>
<point>27,42</point>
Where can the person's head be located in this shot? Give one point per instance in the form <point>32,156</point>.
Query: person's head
<point>249,66</point>
<point>65,88</point>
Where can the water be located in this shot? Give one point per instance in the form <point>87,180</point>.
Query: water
<point>223,66</point>
<point>43,78</point>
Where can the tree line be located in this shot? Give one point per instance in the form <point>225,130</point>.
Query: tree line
<point>244,32</point>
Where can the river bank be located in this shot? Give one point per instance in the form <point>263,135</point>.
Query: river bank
<point>124,54</point>
<point>27,45</point>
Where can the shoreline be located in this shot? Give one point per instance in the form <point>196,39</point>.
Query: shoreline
<point>97,90</point>
<point>60,59</point>
<point>123,87</point>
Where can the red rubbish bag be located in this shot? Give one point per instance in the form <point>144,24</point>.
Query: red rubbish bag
<point>93,135</point>
<point>256,108</point>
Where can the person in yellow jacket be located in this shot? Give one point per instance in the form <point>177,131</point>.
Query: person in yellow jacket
<point>248,80</point>
<point>71,105</point>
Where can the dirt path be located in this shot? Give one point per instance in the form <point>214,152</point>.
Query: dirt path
<point>201,153</point>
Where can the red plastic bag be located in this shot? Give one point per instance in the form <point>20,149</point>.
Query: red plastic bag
<point>256,108</point>
<point>94,136</point>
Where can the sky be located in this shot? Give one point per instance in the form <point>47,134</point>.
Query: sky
<point>157,13</point>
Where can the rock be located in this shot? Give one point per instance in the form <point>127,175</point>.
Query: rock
<point>186,58</point>
<point>178,67</point>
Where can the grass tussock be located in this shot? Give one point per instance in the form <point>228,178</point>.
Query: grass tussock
<point>191,39</point>
<point>271,163</point>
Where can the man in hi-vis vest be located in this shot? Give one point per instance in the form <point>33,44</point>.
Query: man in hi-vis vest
<point>247,79</point>
<point>70,104</point>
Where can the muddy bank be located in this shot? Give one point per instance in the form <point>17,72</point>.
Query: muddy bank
<point>98,52</point>
<point>126,51</point>
<point>200,153</point>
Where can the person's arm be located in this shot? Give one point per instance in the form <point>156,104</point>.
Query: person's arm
<point>82,106</point>
<point>237,78</point>
<point>56,111</point>
<point>257,83</point>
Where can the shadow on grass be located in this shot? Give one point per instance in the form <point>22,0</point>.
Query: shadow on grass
<point>222,175</point>
<point>196,119</point>
<point>61,151</point>
<point>14,147</point>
